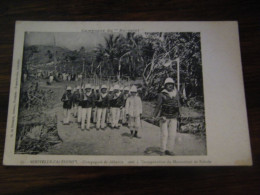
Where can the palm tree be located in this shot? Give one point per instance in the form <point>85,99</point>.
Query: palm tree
<point>132,54</point>
<point>109,54</point>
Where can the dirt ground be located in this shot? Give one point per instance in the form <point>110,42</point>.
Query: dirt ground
<point>116,141</point>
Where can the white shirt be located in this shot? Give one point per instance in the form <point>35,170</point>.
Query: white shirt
<point>103,95</point>
<point>117,95</point>
<point>170,93</point>
<point>134,106</point>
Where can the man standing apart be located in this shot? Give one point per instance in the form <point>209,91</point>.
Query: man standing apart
<point>67,104</point>
<point>134,111</point>
<point>168,110</point>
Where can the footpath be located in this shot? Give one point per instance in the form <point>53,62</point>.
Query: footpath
<point>118,141</point>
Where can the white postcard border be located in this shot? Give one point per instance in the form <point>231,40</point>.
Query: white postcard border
<point>225,109</point>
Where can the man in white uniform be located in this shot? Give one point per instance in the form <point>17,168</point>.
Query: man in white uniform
<point>134,111</point>
<point>51,78</point>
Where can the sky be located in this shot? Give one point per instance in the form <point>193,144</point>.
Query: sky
<point>70,40</point>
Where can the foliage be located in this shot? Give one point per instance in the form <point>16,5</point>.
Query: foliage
<point>32,97</point>
<point>153,56</point>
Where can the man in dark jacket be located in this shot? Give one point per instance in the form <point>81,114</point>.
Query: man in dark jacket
<point>95,91</point>
<point>76,99</point>
<point>67,105</point>
<point>102,104</point>
<point>116,103</point>
<point>168,110</point>
<point>123,111</point>
<point>87,103</point>
<point>81,91</point>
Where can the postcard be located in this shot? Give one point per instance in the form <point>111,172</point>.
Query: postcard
<point>127,94</point>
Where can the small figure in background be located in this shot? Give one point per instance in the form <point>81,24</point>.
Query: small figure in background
<point>24,77</point>
<point>51,78</point>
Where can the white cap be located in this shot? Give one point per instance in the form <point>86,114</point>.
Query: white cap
<point>126,89</point>
<point>103,87</point>
<point>116,87</point>
<point>121,88</point>
<point>97,88</point>
<point>169,80</point>
<point>133,89</point>
<point>69,88</point>
<point>78,87</point>
<point>87,86</point>
<point>111,89</point>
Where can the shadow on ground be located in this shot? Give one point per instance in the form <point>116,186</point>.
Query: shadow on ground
<point>152,150</point>
<point>126,135</point>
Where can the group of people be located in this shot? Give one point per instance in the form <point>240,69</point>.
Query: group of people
<point>52,76</point>
<point>103,106</point>
<point>109,106</point>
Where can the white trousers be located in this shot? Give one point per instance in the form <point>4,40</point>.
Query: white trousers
<point>66,112</point>
<point>134,123</point>
<point>115,116</point>
<point>101,117</point>
<point>108,118</point>
<point>168,134</point>
<point>75,110</point>
<point>86,114</point>
<point>79,113</point>
<point>94,114</point>
<point>123,115</point>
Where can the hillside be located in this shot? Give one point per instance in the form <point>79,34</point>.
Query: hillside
<point>37,56</point>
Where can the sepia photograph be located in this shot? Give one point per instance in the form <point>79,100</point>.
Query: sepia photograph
<point>129,97</point>
<point>111,93</point>
<point>126,94</point>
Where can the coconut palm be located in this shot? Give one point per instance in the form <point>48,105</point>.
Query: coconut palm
<point>132,55</point>
<point>109,54</point>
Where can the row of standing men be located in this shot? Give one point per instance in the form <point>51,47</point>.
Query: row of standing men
<point>130,105</point>
<point>103,107</point>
